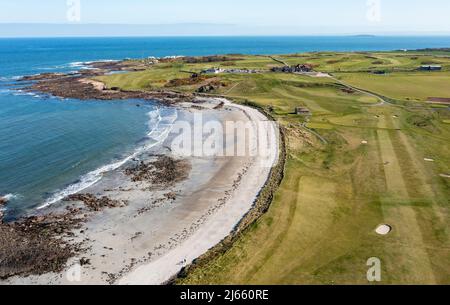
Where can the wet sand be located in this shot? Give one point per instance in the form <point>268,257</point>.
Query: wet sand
<point>163,228</point>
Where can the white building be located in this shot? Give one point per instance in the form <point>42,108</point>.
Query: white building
<point>213,71</point>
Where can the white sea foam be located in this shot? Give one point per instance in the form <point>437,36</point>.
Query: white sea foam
<point>76,64</point>
<point>26,93</point>
<point>100,60</point>
<point>80,65</point>
<point>9,197</point>
<point>85,65</point>
<point>160,131</point>
<point>11,78</point>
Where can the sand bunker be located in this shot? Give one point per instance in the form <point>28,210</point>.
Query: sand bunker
<point>383,229</point>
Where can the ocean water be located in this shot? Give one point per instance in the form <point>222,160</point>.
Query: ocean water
<point>51,147</point>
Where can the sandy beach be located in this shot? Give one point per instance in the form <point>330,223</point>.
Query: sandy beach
<point>159,229</point>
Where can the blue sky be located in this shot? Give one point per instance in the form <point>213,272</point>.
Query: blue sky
<point>274,16</point>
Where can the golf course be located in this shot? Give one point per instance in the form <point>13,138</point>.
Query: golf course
<point>370,152</point>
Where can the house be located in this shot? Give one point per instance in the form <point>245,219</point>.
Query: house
<point>302,111</point>
<point>430,68</point>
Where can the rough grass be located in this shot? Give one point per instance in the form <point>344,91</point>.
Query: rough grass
<point>320,226</point>
<point>403,86</point>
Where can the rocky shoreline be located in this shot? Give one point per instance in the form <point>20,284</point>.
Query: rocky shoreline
<point>42,244</point>
<point>38,244</point>
<point>79,85</point>
<point>104,229</point>
<point>3,202</point>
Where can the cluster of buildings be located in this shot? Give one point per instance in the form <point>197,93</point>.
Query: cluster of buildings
<point>220,70</point>
<point>155,60</point>
<point>301,68</point>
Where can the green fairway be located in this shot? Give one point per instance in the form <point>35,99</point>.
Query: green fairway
<point>403,86</point>
<point>320,228</point>
<point>368,61</point>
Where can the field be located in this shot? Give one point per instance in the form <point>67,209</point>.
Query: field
<point>370,170</point>
<point>402,86</point>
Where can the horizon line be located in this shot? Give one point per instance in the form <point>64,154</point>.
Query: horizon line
<point>186,29</point>
<point>233,35</point>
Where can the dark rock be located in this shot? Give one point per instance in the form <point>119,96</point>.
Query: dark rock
<point>34,245</point>
<point>42,76</point>
<point>164,171</point>
<point>171,196</point>
<point>85,261</point>
<point>94,203</point>
<point>206,89</point>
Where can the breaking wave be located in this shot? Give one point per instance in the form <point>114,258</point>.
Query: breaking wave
<point>9,197</point>
<point>80,65</point>
<point>161,125</point>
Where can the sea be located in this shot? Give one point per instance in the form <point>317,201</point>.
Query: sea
<point>52,147</point>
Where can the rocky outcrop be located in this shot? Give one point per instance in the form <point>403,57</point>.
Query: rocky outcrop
<point>42,244</point>
<point>78,88</point>
<point>43,76</point>
<point>3,201</point>
<point>36,245</point>
<point>165,171</point>
<point>206,89</point>
<point>79,85</point>
<point>213,85</point>
<point>96,204</point>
